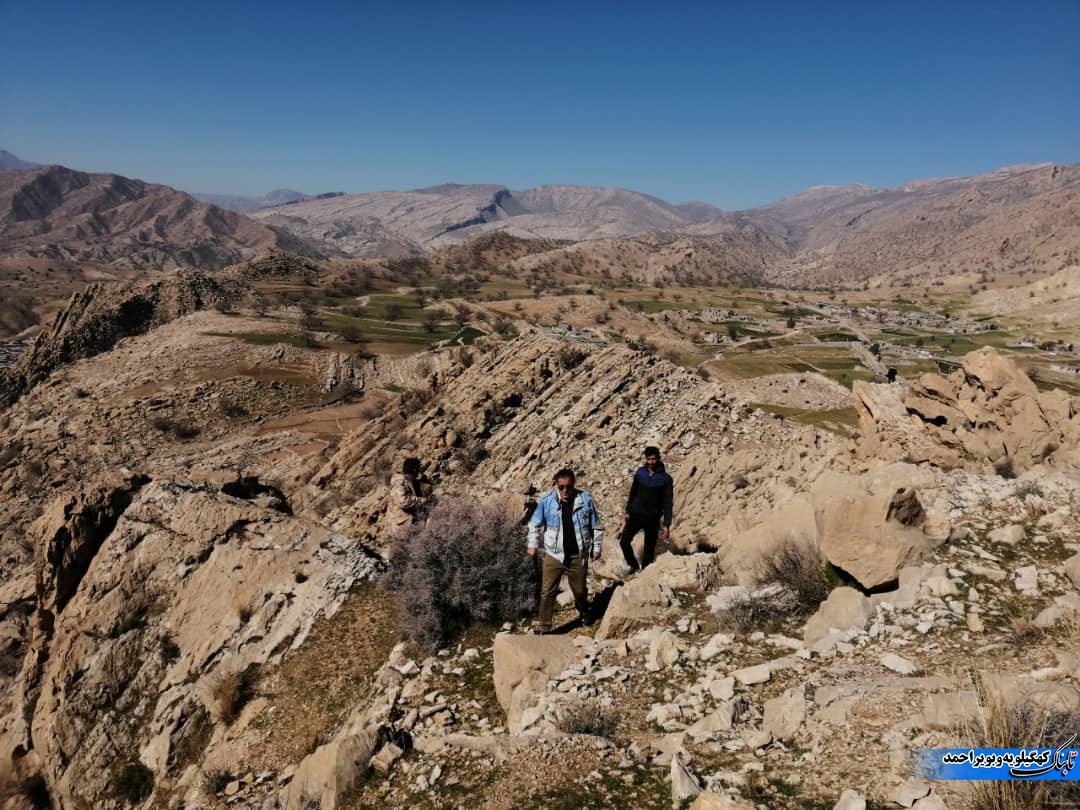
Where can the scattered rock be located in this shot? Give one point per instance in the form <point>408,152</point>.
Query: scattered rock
<point>898,664</point>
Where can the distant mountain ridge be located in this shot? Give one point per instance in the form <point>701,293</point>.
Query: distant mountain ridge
<point>56,212</point>
<point>241,204</point>
<point>8,161</point>
<point>1015,220</point>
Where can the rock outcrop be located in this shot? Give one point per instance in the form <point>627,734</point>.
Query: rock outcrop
<point>987,414</point>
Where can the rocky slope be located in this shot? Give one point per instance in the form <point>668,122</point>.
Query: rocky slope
<point>55,212</point>
<point>980,229</point>
<point>182,513</point>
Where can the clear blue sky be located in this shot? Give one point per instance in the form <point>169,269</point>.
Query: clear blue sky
<point>732,103</point>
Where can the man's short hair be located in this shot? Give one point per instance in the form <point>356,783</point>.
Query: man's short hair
<point>652,451</point>
<point>411,466</point>
<point>565,472</point>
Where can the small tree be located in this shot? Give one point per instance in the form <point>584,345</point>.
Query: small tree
<point>392,312</point>
<point>464,565</point>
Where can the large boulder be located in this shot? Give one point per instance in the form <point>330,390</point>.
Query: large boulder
<point>330,771</point>
<point>869,529</point>
<point>637,604</point>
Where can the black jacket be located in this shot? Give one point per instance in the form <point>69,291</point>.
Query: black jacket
<point>651,496</point>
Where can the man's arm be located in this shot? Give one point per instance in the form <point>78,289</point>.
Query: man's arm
<point>597,531</point>
<point>535,524</point>
<point>630,497</point>
<point>669,500</point>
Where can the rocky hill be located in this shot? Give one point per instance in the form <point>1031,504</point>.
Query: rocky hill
<point>55,212</point>
<point>986,229</point>
<point>999,229</point>
<point>190,522</point>
<point>975,230</point>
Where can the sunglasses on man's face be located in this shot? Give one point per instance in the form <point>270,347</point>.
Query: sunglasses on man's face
<point>563,487</point>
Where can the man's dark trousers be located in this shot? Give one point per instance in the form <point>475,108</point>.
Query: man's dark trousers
<point>635,524</point>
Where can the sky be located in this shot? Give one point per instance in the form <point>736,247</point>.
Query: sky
<point>736,104</point>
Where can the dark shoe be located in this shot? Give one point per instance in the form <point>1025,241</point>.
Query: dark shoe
<point>587,619</point>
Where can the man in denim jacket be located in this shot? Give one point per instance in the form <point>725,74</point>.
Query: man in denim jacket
<point>572,535</point>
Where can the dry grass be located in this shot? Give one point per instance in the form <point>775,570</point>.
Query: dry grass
<point>589,717</point>
<point>1024,725</point>
<point>798,567</point>
<point>234,691</point>
<point>318,684</point>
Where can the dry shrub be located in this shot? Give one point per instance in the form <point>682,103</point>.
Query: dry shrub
<point>1022,725</point>
<point>216,780</point>
<point>753,614</point>
<point>570,357</point>
<point>232,409</point>
<point>798,567</point>
<point>371,410</point>
<point>133,782</point>
<point>414,400</point>
<point>234,691</point>
<point>1024,631</point>
<point>465,565</point>
<point>589,717</point>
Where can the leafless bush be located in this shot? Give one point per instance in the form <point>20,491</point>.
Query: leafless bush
<point>371,410</point>
<point>424,367</point>
<point>1024,631</point>
<point>570,357</point>
<point>465,356</point>
<point>414,400</point>
<point>589,717</point>
<point>471,453</point>
<point>1029,487</point>
<point>798,567</point>
<point>504,327</point>
<point>464,565</point>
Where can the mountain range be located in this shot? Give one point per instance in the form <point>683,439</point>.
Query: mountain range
<point>1015,220</point>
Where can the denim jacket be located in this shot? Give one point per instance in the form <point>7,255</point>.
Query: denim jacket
<point>588,529</point>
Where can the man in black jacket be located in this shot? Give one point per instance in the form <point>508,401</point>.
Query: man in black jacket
<point>648,509</point>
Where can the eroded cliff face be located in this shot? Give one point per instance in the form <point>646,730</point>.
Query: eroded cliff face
<point>151,596</point>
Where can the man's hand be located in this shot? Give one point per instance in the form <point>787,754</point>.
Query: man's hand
<point>531,552</point>
<point>626,517</point>
<point>664,532</point>
<point>595,555</point>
